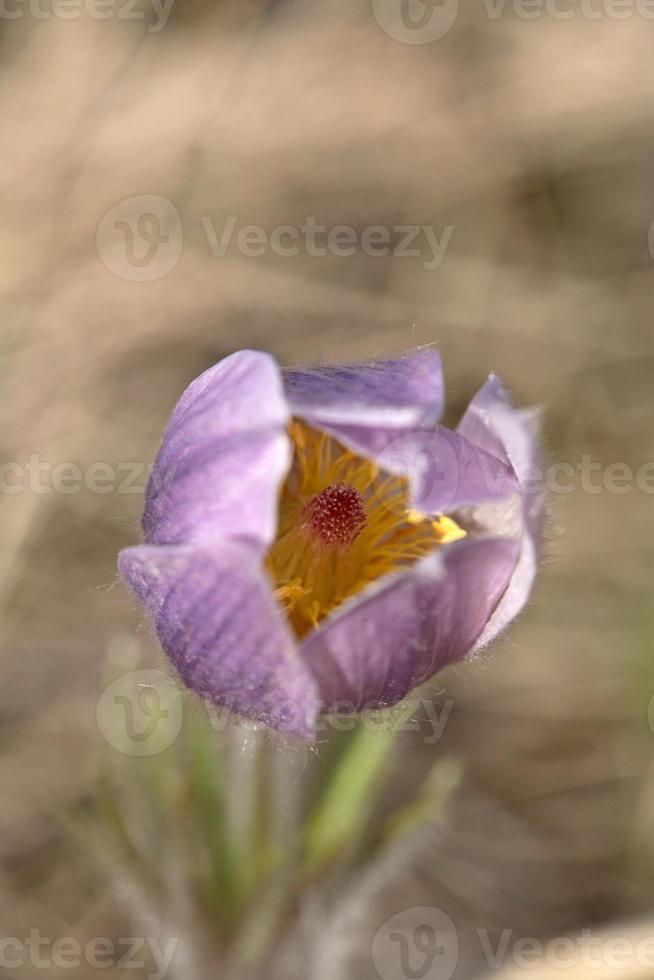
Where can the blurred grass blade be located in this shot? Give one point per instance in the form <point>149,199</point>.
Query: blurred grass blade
<point>207,784</point>
<point>437,788</point>
<point>342,810</point>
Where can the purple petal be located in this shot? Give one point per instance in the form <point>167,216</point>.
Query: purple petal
<point>493,424</point>
<point>447,471</point>
<point>517,592</point>
<point>223,457</point>
<point>382,644</point>
<point>365,405</point>
<point>216,619</point>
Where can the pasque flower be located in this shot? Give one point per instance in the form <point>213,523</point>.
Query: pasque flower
<point>316,542</point>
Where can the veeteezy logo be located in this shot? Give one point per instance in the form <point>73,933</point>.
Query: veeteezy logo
<point>140,239</point>
<point>424,21</point>
<point>419,943</point>
<point>416,21</point>
<point>140,713</point>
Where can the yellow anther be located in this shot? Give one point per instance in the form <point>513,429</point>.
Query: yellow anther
<point>311,582</point>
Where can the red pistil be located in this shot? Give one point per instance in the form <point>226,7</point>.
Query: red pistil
<point>335,516</point>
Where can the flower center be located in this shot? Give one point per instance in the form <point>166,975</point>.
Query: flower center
<point>335,516</point>
<point>343,523</point>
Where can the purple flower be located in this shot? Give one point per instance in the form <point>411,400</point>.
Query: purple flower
<point>315,541</point>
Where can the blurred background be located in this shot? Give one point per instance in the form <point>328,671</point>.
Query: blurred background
<point>134,138</point>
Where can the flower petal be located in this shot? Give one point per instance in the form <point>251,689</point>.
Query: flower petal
<point>492,423</point>
<point>223,457</point>
<point>446,471</point>
<point>364,405</point>
<point>216,619</point>
<point>385,642</point>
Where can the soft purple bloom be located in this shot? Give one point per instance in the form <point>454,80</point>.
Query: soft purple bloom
<point>315,541</point>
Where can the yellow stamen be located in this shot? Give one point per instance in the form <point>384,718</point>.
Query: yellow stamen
<point>314,571</point>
